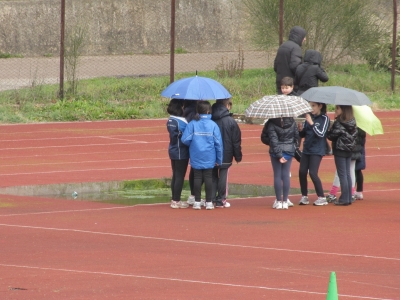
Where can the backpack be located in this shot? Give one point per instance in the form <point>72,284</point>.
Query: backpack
<point>264,134</point>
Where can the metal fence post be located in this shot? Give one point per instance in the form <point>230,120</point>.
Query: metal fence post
<point>172,54</point>
<point>61,92</point>
<point>394,45</point>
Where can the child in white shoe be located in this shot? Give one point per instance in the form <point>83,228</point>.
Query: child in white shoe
<point>203,137</point>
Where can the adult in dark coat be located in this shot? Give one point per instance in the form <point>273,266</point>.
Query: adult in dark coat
<point>289,56</point>
<point>231,140</point>
<point>309,72</point>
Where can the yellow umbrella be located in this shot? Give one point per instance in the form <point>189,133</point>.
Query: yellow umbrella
<point>366,120</point>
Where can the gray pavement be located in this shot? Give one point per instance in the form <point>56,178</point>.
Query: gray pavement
<point>25,72</point>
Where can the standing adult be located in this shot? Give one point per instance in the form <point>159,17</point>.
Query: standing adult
<point>289,56</point>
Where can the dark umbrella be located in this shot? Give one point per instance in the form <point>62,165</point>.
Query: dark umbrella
<point>336,95</point>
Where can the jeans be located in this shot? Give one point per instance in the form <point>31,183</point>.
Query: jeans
<point>179,168</point>
<point>281,178</point>
<point>200,176</point>
<point>220,185</point>
<point>343,171</point>
<point>310,164</point>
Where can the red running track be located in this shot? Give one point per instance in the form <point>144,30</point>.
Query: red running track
<point>65,249</point>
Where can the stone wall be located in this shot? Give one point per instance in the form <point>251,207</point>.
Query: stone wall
<point>32,27</point>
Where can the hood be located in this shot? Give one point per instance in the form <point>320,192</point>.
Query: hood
<point>313,57</point>
<point>297,35</point>
<point>284,122</point>
<point>219,111</point>
<point>350,125</point>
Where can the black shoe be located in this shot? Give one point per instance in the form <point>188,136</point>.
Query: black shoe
<point>341,203</point>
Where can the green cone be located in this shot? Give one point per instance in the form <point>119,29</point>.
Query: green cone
<point>332,288</point>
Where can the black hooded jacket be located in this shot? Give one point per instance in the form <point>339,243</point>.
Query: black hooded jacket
<point>343,136</point>
<point>230,133</point>
<point>283,136</point>
<point>289,55</point>
<point>309,72</point>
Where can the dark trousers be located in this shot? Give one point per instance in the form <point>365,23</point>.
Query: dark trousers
<point>309,164</point>
<point>179,168</point>
<point>343,171</point>
<point>201,176</point>
<point>281,178</point>
<point>219,187</point>
<point>359,180</point>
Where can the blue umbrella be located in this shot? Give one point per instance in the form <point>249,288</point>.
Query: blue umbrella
<point>196,88</point>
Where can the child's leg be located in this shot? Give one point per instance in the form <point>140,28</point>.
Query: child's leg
<point>353,175</point>
<point>180,167</point>
<point>335,185</point>
<point>303,171</point>
<point>191,181</point>
<point>222,184</point>
<point>342,173</point>
<point>276,167</point>
<point>359,180</point>
<point>286,178</point>
<point>197,181</point>
<point>215,181</point>
<point>207,177</point>
<point>315,161</point>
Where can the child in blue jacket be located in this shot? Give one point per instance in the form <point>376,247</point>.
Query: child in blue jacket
<point>203,137</point>
<point>178,152</point>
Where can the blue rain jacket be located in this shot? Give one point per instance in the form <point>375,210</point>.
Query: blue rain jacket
<point>205,143</point>
<point>176,149</point>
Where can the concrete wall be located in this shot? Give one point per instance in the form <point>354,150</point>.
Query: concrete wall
<point>32,27</point>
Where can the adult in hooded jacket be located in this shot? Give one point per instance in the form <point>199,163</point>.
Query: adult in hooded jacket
<point>310,72</point>
<point>231,140</point>
<point>289,56</point>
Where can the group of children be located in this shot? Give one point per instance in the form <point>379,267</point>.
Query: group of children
<point>294,77</point>
<point>210,138</point>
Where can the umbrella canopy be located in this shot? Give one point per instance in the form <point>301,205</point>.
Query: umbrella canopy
<point>196,88</point>
<point>277,106</point>
<point>366,120</point>
<point>336,95</point>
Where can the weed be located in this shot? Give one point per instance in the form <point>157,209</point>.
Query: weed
<point>231,68</point>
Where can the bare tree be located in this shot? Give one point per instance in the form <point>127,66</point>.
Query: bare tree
<point>336,28</point>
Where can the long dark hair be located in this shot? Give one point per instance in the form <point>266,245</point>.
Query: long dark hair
<point>347,113</point>
<point>175,107</point>
<point>203,107</point>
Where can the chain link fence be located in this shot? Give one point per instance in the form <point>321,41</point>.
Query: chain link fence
<point>106,38</point>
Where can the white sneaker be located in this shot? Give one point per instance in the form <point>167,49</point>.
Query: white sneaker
<point>290,204</point>
<point>359,195</point>
<point>279,205</point>
<point>203,202</point>
<point>321,201</point>
<point>285,205</point>
<point>196,205</point>
<point>275,204</point>
<point>226,204</point>
<point>303,200</point>
<point>179,204</point>
<point>191,200</point>
<point>209,205</point>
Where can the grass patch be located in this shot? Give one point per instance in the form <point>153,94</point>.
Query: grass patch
<point>139,98</point>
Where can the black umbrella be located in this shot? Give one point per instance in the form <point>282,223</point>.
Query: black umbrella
<point>336,95</point>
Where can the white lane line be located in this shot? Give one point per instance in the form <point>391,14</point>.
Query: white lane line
<point>80,210</point>
<point>306,273</point>
<point>203,243</point>
<point>187,281</point>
